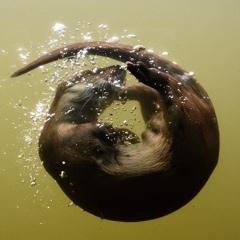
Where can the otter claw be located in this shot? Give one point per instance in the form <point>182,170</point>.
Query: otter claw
<point>139,70</point>
<point>125,136</point>
<point>149,76</point>
<point>106,133</point>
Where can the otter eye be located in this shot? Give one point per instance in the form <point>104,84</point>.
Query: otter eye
<point>105,92</point>
<point>100,152</point>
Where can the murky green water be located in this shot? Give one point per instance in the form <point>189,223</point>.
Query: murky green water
<point>201,36</point>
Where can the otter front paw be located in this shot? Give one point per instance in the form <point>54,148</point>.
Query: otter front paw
<point>139,70</point>
<point>126,137</point>
<point>149,76</point>
<point>106,133</point>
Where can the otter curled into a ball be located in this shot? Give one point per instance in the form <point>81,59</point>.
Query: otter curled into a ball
<point>148,177</point>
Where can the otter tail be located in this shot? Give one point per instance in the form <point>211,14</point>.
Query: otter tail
<point>119,52</point>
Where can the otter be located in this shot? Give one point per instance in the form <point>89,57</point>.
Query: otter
<point>148,178</point>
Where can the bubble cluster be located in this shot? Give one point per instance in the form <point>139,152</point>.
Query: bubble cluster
<point>119,114</point>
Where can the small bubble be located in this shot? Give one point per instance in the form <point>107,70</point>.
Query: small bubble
<point>3,51</point>
<point>134,108</point>
<point>113,40</point>
<point>191,73</point>
<point>59,28</point>
<point>139,47</point>
<point>63,174</point>
<point>103,26</point>
<point>131,36</point>
<point>87,38</point>
<point>165,53</point>
<point>21,155</point>
<point>33,183</point>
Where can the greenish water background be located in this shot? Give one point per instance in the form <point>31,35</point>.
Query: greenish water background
<point>201,36</point>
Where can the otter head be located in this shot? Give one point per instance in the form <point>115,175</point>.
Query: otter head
<point>82,98</point>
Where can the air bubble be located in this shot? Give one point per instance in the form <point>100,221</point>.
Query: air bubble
<point>103,26</point>
<point>131,36</point>
<point>33,183</point>
<point>113,40</point>
<point>63,174</point>
<point>191,73</point>
<point>87,38</point>
<point>165,53</point>
<point>59,28</point>
<point>139,47</point>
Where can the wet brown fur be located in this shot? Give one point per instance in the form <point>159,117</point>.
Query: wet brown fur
<point>144,180</point>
